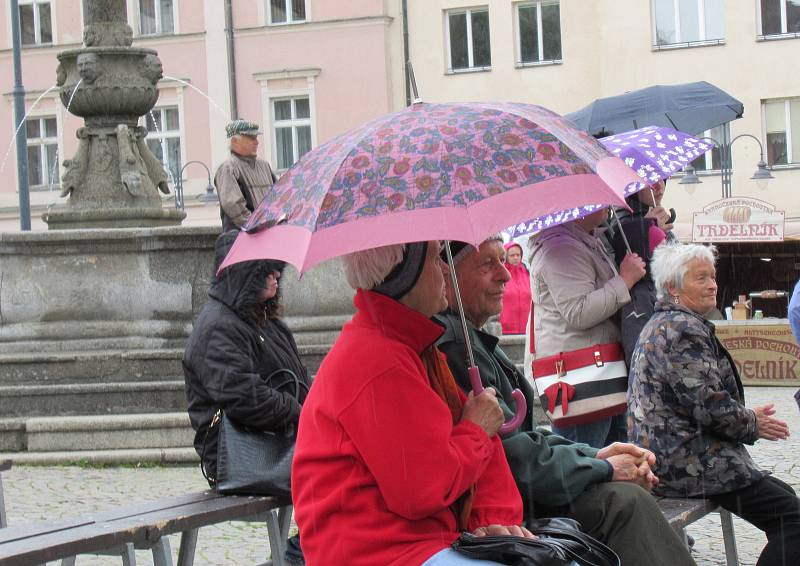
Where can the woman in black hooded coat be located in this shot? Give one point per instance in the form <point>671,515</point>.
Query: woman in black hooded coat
<point>237,341</point>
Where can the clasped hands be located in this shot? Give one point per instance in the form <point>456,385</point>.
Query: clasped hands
<point>501,530</point>
<point>630,463</point>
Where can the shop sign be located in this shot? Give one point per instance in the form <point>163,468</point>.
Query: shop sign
<point>764,354</point>
<point>740,219</point>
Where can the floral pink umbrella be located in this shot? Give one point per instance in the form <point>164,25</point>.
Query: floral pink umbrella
<point>457,171</point>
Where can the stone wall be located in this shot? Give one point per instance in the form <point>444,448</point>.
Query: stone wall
<point>138,288</point>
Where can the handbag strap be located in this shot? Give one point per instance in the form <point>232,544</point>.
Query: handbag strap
<point>298,383</point>
<point>212,481</point>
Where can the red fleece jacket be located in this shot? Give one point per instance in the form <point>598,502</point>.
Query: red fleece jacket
<point>378,460</point>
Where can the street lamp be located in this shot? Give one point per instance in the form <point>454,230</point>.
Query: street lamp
<point>761,176</point>
<point>207,197</point>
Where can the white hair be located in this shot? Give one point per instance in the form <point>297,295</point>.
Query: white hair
<point>671,262</point>
<point>368,268</point>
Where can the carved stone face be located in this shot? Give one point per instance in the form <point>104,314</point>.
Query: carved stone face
<point>152,71</point>
<point>61,75</point>
<point>89,67</point>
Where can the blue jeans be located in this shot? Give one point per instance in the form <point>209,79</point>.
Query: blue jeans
<point>449,557</point>
<point>598,433</point>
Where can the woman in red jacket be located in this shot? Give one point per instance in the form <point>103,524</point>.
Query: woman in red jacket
<point>392,461</point>
<point>517,297</point>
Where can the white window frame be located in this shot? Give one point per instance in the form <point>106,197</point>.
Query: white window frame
<point>43,141</point>
<point>169,134</point>
<point>784,23</point>
<point>701,28</point>
<point>470,56</point>
<point>294,123</point>
<point>275,92</point>
<point>540,35</point>
<point>37,32</point>
<point>266,5</point>
<point>134,15</point>
<point>787,117</point>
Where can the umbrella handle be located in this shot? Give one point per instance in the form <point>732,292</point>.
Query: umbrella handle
<point>519,399</point>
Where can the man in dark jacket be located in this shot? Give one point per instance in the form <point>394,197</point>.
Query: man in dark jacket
<point>602,489</point>
<point>237,341</point>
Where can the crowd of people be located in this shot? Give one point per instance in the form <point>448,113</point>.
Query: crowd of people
<point>395,455</point>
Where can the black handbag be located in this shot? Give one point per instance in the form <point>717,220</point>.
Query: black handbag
<point>251,462</point>
<point>560,542</point>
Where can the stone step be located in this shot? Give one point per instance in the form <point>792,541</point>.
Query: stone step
<point>85,367</point>
<point>101,432</point>
<point>113,365</point>
<point>105,457</point>
<point>92,398</point>
<point>109,432</point>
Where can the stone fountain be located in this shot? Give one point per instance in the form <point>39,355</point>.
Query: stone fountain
<point>93,320</point>
<point>113,180</point>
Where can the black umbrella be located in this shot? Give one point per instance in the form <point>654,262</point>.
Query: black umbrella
<point>692,108</point>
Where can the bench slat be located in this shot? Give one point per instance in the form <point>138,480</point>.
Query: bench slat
<point>36,529</point>
<point>682,512</point>
<point>142,524</point>
<point>78,540</point>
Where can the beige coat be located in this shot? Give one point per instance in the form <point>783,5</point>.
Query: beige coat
<point>242,183</point>
<point>576,290</point>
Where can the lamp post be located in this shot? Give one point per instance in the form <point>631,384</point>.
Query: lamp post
<point>19,116</point>
<point>762,172</point>
<point>209,194</point>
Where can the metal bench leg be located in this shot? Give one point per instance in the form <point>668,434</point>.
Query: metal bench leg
<point>188,546</point>
<point>162,555</point>
<point>285,521</point>
<point>277,544</point>
<point>3,518</point>
<point>70,561</point>
<point>729,537</point>
<point>128,554</point>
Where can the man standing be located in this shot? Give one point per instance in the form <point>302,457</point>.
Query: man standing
<point>243,179</point>
<point>606,490</point>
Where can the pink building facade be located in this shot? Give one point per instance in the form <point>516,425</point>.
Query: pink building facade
<point>306,70</point>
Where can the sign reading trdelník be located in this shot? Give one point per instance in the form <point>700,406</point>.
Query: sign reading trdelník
<point>739,219</point>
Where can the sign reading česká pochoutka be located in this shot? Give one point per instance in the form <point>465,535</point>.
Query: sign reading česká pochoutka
<point>739,219</point>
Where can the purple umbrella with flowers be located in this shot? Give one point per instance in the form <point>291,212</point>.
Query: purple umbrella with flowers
<point>654,153</point>
<point>457,171</point>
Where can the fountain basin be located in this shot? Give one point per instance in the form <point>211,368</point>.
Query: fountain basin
<point>117,84</point>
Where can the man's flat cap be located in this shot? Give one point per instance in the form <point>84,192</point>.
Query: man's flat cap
<point>242,127</point>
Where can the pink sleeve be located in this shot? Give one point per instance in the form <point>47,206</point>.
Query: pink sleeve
<point>655,236</point>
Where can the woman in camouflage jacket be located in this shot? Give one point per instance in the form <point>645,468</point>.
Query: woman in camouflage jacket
<point>686,404</point>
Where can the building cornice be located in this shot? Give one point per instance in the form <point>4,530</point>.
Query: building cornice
<point>313,26</point>
<point>167,38</point>
<point>286,74</point>
<point>138,41</point>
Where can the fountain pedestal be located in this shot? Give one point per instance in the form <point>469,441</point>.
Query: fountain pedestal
<point>113,180</point>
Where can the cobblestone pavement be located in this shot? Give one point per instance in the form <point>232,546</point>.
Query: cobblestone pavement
<point>47,493</point>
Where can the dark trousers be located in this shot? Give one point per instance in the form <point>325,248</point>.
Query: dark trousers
<point>626,518</point>
<point>772,506</point>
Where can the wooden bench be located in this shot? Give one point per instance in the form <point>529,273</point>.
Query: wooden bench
<point>145,526</point>
<point>682,512</point>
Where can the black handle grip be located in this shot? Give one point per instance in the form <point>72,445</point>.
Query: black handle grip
<point>672,216</point>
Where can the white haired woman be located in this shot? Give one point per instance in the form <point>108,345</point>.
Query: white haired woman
<point>392,461</point>
<point>686,404</point>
